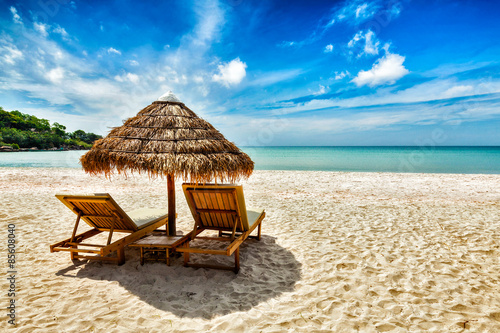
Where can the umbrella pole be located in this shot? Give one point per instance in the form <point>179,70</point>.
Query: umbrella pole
<point>171,230</point>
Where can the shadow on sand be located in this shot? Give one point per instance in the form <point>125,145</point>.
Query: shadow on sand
<point>267,271</point>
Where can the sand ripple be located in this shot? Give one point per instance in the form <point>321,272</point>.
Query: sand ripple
<point>342,252</point>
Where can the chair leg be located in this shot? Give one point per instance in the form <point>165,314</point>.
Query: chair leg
<point>121,255</point>
<point>237,260</point>
<point>258,231</point>
<point>73,254</point>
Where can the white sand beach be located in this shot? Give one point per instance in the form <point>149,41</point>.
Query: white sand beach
<point>341,252</point>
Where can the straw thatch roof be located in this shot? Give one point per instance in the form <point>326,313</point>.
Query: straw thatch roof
<point>167,138</point>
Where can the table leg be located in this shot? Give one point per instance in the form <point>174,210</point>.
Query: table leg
<point>186,255</point>
<point>142,256</point>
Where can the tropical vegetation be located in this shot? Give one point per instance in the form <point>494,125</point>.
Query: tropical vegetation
<point>21,130</point>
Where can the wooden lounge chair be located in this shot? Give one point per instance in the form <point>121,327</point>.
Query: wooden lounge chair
<point>102,213</point>
<point>221,208</point>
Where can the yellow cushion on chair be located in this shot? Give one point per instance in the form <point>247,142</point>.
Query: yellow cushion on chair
<point>146,216</point>
<point>253,215</point>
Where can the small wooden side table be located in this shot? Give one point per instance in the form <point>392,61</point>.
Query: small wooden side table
<point>157,243</point>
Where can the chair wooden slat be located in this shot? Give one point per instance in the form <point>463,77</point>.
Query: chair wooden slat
<point>102,213</point>
<point>207,216</point>
<point>206,203</point>
<point>220,202</point>
<point>216,216</point>
<point>198,203</point>
<point>227,205</point>
<point>217,208</point>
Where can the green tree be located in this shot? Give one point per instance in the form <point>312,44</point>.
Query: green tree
<point>41,125</point>
<point>59,130</point>
<point>29,131</point>
<point>79,135</point>
<point>12,135</point>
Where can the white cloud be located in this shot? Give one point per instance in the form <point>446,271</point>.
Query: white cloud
<point>57,54</point>
<point>328,48</point>
<point>435,90</point>
<point>385,70</point>
<point>458,91</point>
<point>271,78</point>
<point>380,109</point>
<point>61,31</point>
<point>357,12</point>
<point>114,51</point>
<point>355,39</point>
<point>371,44</point>
<point>129,77</point>
<point>288,43</point>
<point>353,12</point>
<point>173,76</point>
<point>54,78</point>
<point>318,126</point>
<point>133,62</point>
<point>341,75</point>
<point>322,90</point>
<point>10,53</point>
<point>134,78</point>
<point>55,75</point>
<point>361,10</point>
<point>231,73</point>
<point>15,16</point>
<point>41,28</point>
<point>395,10</point>
<point>198,79</point>
<point>210,20</point>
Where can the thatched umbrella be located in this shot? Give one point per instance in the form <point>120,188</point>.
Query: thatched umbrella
<point>167,139</point>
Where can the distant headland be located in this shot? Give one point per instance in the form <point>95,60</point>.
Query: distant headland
<point>24,132</point>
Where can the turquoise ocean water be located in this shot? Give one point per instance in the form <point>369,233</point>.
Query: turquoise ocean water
<point>364,159</point>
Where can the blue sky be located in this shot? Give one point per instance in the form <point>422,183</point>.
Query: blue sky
<point>393,72</point>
